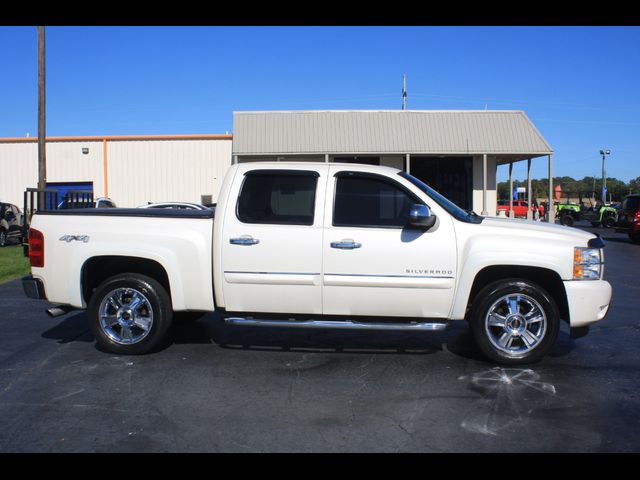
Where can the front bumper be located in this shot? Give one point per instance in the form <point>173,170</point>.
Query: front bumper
<point>33,287</point>
<point>588,301</point>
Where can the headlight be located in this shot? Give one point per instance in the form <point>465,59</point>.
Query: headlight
<point>587,263</point>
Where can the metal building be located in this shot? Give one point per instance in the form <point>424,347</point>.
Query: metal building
<point>131,170</point>
<point>455,151</point>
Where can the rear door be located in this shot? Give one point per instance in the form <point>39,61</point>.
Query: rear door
<point>272,240</point>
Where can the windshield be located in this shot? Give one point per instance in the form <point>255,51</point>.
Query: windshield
<point>454,210</point>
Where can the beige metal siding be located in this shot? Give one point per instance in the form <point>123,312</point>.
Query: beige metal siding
<point>492,189</point>
<point>19,170</point>
<point>67,163</point>
<point>419,132</point>
<point>139,170</point>
<point>166,170</point>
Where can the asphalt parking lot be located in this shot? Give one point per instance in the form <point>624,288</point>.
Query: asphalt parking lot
<point>217,388</point>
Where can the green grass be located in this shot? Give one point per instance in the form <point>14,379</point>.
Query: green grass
<point>13,263</point>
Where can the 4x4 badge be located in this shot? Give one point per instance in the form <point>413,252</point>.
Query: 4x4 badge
<point>71,238</point>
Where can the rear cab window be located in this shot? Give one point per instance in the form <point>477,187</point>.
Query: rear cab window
<point>280,197</point>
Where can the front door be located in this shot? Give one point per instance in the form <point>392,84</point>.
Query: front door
<point>373,263</point>
<point>272,241</point>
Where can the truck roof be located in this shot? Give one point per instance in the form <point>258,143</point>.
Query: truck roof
<point>284,165</point>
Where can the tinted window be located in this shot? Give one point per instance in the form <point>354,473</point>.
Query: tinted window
<point>278,197</point>
<point>370,202</point>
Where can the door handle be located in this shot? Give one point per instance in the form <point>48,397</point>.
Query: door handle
<point>345,245</point>
<point>246,240</point>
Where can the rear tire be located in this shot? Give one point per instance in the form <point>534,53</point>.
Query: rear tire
<point>608,221</point>
<point>634,237</point>
<point>130,314</point>
<point>514,321</point>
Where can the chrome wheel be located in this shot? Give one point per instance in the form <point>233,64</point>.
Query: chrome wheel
<point>515,324</point>
<point>126,316</point>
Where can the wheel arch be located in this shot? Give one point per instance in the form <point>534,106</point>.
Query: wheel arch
<point>546,278</point>
<point>97,269</point>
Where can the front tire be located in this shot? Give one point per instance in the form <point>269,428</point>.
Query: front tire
<point>514,321</point>
<point>566,220</point>
<point>608,221</point>
<point>130,314</point>
<point>3,237</point>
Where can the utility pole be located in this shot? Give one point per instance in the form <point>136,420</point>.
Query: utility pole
<point>42,155</point>
<point>603,196</point>
<point>404,92</point>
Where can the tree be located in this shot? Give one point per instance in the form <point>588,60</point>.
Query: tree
<point>587,187</point>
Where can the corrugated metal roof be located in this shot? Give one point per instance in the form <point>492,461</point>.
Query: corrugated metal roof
<point>387,131</point>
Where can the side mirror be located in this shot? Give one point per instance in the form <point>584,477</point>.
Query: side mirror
<point>420,217</point>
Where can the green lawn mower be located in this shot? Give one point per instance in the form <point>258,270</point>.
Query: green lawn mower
<point>597,214</point>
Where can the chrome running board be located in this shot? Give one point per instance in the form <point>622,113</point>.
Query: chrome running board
<point>337,324</point>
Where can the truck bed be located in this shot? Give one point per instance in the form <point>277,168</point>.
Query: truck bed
<point>178,241</point>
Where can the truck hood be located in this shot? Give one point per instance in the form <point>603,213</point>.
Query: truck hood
<point>541,230</point>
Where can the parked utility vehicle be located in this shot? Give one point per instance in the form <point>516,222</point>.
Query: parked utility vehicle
<point>318,245</point>
<point>594,213</point>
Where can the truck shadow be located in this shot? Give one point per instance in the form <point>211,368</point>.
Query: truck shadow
<point>210,328</point>
<point>73,327</point>
<point>457,339</point>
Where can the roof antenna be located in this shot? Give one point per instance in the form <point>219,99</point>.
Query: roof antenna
<point>404,91</point>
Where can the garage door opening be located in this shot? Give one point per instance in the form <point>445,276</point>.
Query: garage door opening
<point>451,176</point>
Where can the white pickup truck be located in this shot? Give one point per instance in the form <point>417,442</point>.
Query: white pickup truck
<point>319,245</point>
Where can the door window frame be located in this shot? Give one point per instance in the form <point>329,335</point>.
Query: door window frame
<point>277,171</point>
<point>377,177</point>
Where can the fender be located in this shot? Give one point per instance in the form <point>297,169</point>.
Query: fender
<point>482,251</point>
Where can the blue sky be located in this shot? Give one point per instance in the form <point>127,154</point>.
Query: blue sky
<point>579,85</point>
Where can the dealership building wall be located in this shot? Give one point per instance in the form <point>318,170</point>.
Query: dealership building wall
<point>131,170</point>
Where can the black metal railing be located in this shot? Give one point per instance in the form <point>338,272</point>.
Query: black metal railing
<point>47,199</point>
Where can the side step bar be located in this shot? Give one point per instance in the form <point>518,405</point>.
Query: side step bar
<point>337,324</point>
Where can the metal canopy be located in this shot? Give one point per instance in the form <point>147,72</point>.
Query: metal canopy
<point>428,132</point>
